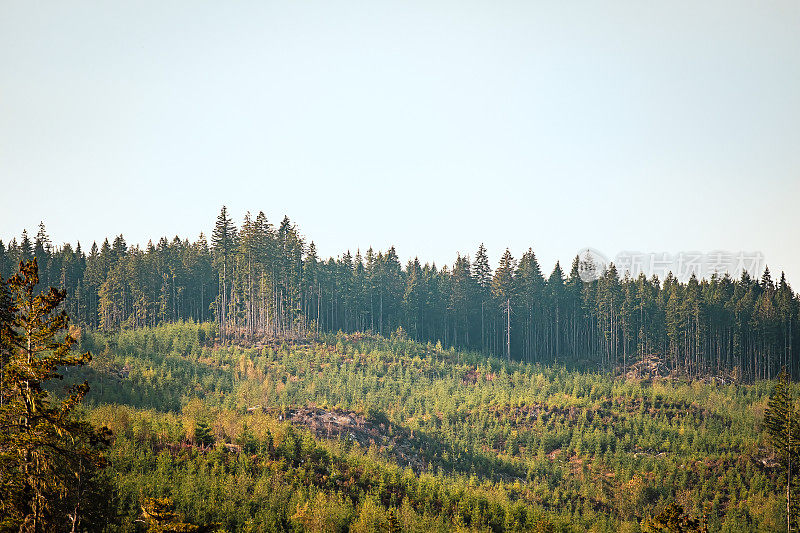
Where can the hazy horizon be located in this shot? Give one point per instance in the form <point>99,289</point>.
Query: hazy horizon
<point>430,127</point>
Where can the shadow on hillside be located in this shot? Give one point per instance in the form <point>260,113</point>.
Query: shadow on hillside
<point>421,451</point>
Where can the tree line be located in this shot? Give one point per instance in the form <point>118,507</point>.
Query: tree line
<point>262,279</point>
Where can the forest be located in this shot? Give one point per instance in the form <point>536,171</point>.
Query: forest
<point>329,267</point>
<point>260,279</point>
<point>176,427</point>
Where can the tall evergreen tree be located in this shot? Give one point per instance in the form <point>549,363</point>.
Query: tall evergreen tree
<point>49,458</point>
<point>483,279</point>
<point>26,248</point>
<point>783,428</point>
<point>223,242</point>
<point>503,292</point>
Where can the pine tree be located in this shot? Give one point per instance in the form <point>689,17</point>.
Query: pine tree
<point>49,458</point>
<point>783,429</point>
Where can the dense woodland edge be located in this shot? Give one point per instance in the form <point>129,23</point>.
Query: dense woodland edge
<point>260,279</point>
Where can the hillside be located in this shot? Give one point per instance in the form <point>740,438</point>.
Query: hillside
<point>356,431</point>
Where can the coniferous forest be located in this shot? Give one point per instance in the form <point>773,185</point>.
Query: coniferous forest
<point>244,384</point>
<point>412,336</point>
<point>258,278</point>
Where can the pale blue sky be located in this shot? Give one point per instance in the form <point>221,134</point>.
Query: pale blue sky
<point>433,126</point>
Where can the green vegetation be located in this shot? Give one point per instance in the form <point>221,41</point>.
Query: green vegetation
<point>463,441</point>
<point>50,460</point>
<point>616,405</point>
<point>783,428</point>
<point>262,280</point>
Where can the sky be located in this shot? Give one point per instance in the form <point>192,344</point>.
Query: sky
<point>431,126</point>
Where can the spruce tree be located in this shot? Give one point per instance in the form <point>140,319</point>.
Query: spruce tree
<point>41,251</point>
<point>223,241</point>
<point>482,273</point>
<point>555,290</point>
<point>203,435</point>
<point>503,291</point>
<point>529,286</point>
<point>26,248</point>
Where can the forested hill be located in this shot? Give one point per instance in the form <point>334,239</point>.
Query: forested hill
<point>261,279</point>
<point>348,432</point>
